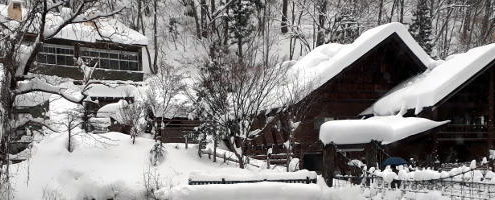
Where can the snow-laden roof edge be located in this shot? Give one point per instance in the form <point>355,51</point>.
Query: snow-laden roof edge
<point>431,87</point>
<point>387,129</point>
<point>109,29</point>
<point>333,58</point>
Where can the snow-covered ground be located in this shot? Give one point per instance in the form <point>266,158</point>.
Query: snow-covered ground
<point>116,168</point>
<point>103,169</point>
<point>104,166</point>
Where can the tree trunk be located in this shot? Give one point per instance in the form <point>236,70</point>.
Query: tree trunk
<point>380,8</point>
<point>401,14</point>
<point>196,17</point>
<point>215,144</point>
<point>7,102</point>
<point>283,24</point>
<point>322,9</point>
<point>204,20</point>
<point>392,11</point>
<point>239,49</point>
<point>154,68</point>
<point>69,143</point>
<point>226,29</point>
<point>212,11</point>
<point>485,29</point>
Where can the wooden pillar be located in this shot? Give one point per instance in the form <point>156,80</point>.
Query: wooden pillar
<point>491,111</point>
<point>329,156</point>
<point>371,154</point>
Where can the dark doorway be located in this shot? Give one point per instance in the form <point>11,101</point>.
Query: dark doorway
<point>313,161</point>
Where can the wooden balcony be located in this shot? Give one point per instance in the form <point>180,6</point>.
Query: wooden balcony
<point>463,132</point>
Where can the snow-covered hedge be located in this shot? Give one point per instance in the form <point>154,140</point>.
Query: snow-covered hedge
<point>232,174</point>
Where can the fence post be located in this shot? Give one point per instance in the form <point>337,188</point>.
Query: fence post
<point>268,161</point>
<point>224,157</point>
<point>329,152</point>
<point>185,138</point>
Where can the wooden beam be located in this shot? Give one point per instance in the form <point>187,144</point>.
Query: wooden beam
<point>329,158</point>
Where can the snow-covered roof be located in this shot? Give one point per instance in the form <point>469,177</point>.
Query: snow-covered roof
<point>430,87</point>
<point>104,29</point>
<point>178,106</point>
<point>384,129</point>
<point>113,110</point>
<point>328,60</point>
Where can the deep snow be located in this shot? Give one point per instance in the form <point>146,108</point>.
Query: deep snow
<point>385,129</point>
<point>115,167</point>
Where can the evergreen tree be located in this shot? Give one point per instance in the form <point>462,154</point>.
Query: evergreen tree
<point>347,27</point>
<point>421,27</point>
<point>241,25</point>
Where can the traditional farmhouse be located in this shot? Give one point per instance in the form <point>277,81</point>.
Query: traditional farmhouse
<point>460,90</point>
<point>366,92</point>
<point>343,81</point>
<point>458,93</point>
<point>116,51</point>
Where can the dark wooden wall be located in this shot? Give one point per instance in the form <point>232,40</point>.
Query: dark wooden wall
<point>176,130</point>
<point>467,137</point>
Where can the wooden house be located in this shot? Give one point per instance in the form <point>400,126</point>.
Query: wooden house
<point>116,51</point>
<point>460,90</point>
<point>176,129</point>
<point>354,77</point>
<point>173,125</point>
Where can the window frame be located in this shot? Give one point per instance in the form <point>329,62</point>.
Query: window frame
<point>56,53</point>
<point>95,54</point>
<point>124,60</point>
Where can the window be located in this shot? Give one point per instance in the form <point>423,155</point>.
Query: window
<point>112,59</point>
<point>52,54</point>
<point>16,5</point>
<point>63,55</point>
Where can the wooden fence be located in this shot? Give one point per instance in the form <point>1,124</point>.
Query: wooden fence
<point>223,181</point>
<point>450,189</point>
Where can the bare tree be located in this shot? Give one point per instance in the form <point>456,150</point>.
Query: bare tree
<point>132,115</point>
<point>72,120</point>
<point>18,54</point>
<point>165,96</point>
<point>237,97</point>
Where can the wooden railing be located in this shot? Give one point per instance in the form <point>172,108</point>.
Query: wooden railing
<point>466,132</point>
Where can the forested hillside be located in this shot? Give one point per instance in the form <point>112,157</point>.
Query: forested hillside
<point>291,28</point>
